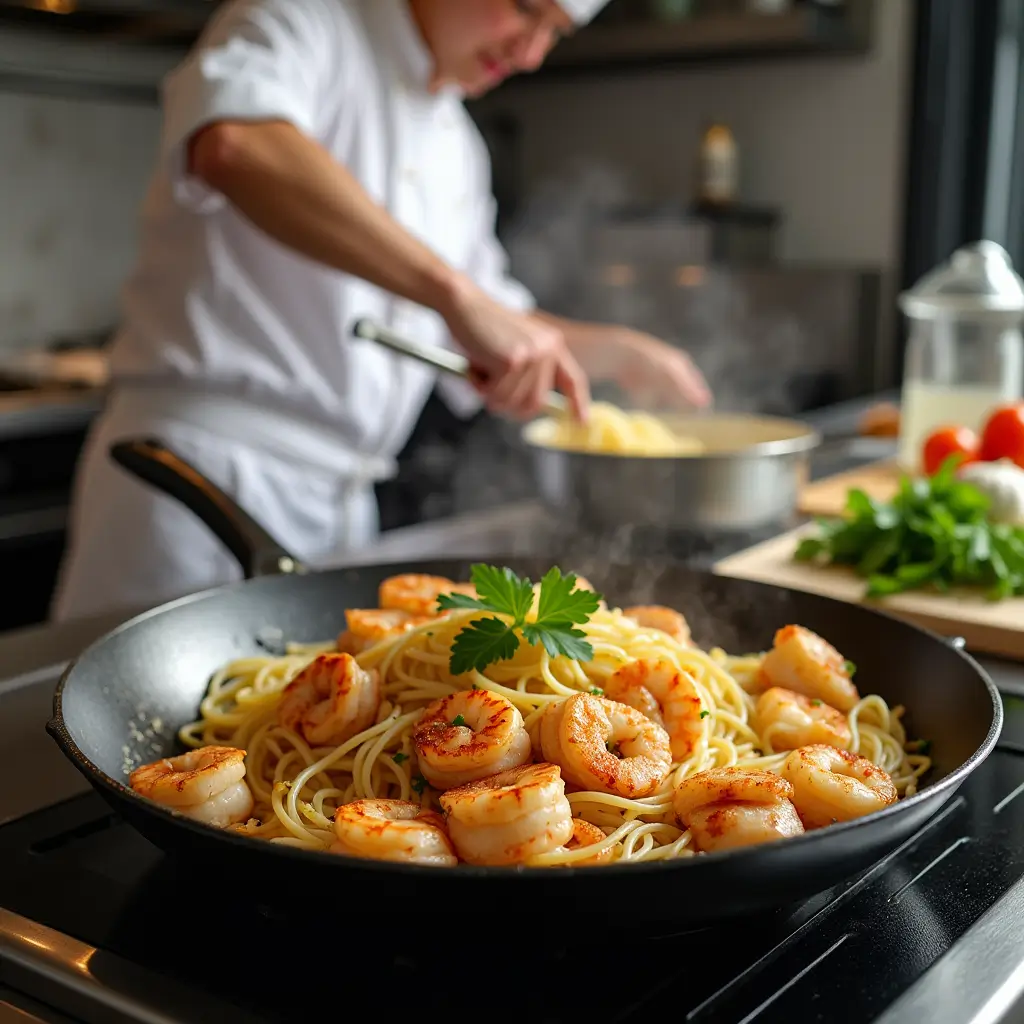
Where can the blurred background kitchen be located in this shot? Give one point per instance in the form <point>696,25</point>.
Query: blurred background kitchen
<point>753,179</point>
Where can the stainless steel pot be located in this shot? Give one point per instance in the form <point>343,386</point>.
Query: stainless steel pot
<point>749,476</point>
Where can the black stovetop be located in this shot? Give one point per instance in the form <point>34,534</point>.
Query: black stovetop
<point>182,947</point>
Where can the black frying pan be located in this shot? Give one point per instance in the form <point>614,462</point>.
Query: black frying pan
<point>121,703</point>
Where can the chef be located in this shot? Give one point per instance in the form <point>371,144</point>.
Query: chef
<point>317,165</point>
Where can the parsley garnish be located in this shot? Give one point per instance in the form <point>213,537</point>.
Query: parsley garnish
<point>815,703</point>
<point>921,746</point>
<point>849,668</point>
<point>484,641</point>
<point>459,720</point>
<point>419,784</point>
<point>596,691</point>
<point>399,757</point>
<point>704,714</point>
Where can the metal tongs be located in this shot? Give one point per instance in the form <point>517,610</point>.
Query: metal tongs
<point>439,358</point>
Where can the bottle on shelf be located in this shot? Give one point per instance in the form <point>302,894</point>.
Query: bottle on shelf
<point>718,168</point>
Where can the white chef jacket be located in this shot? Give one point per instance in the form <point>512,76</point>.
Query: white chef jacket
<point>215,300</point>
<point>217,308</point>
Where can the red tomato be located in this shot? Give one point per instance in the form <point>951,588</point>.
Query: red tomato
<point>1003,436</point>
<point>947,441</point>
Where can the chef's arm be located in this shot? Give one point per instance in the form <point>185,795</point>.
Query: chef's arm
<point>291,188</point>
<point>294,190</point>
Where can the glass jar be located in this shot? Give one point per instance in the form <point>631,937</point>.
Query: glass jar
<point>965,353</point>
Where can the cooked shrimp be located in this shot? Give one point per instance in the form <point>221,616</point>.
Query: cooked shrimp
<point>665,620</point>
<point>729,807</point>
<point>206,785</point>
<point>802,661</point>
<point>674,695</point>
<point>605,746</point>
<point>586,834</point>
<point>727,826</point>
<point>729,786</point>
<point>786,720</point>
<point>469,735</point>
<point>509,817</point>
<point>831,785</point>
<point>418,594</point>
<point>330,700</point>
<point>369,626</point>
<point>392,830</point>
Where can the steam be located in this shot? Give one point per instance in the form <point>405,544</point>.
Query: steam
<point>582,262</point>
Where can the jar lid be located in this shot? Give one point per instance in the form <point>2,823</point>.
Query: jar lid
<point>978,280</point>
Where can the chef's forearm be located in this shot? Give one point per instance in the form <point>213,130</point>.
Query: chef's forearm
<point>293,189</point>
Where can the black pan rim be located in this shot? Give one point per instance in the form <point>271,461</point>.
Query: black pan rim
<point>832,835</point>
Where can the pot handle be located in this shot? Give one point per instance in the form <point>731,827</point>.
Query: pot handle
<point>256,551</point>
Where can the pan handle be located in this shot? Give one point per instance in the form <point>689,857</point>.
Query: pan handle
<point>257,552</point>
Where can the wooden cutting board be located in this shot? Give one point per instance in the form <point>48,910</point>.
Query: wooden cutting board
<point>827,497</point>
<point>989,627</point>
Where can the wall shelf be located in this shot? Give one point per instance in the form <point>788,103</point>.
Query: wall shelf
<point>805,30</point>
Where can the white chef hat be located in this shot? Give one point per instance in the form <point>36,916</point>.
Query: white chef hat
<point>581,11</point>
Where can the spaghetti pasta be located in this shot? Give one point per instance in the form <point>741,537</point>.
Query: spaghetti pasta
<point>297,787</point>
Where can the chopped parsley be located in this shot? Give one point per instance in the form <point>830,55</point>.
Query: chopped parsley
<point>936,533</point>
<point>419,784</point>
<point>399,757</point>
<point>849,668</point>
<point>815,703</point>
<point>920,747</point>
<point>561,607</point>
<point>459,720</point>
<point>704,714</point>
<point>596,691</point>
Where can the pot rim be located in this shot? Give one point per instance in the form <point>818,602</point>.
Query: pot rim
<point>804,439</point>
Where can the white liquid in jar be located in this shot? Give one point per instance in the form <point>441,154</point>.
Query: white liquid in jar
<point>926,407</point>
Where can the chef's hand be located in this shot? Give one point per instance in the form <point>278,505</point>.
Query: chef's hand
<point>517,359</point>
<point>652,372</point>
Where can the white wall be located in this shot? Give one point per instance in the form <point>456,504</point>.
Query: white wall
<point>822,139</point>
<point>72,177</point>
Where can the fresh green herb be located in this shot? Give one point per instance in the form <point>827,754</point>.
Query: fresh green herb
<point>596,691</point>
<point>399,757</point>
<point>419,784</point>
<point>920,747</point>
<point>459,720</point>
<point>486,640</point>
<point>849,668</point>
<point>704,714</point>
<point>935,533</point>
<point>815,703</point>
